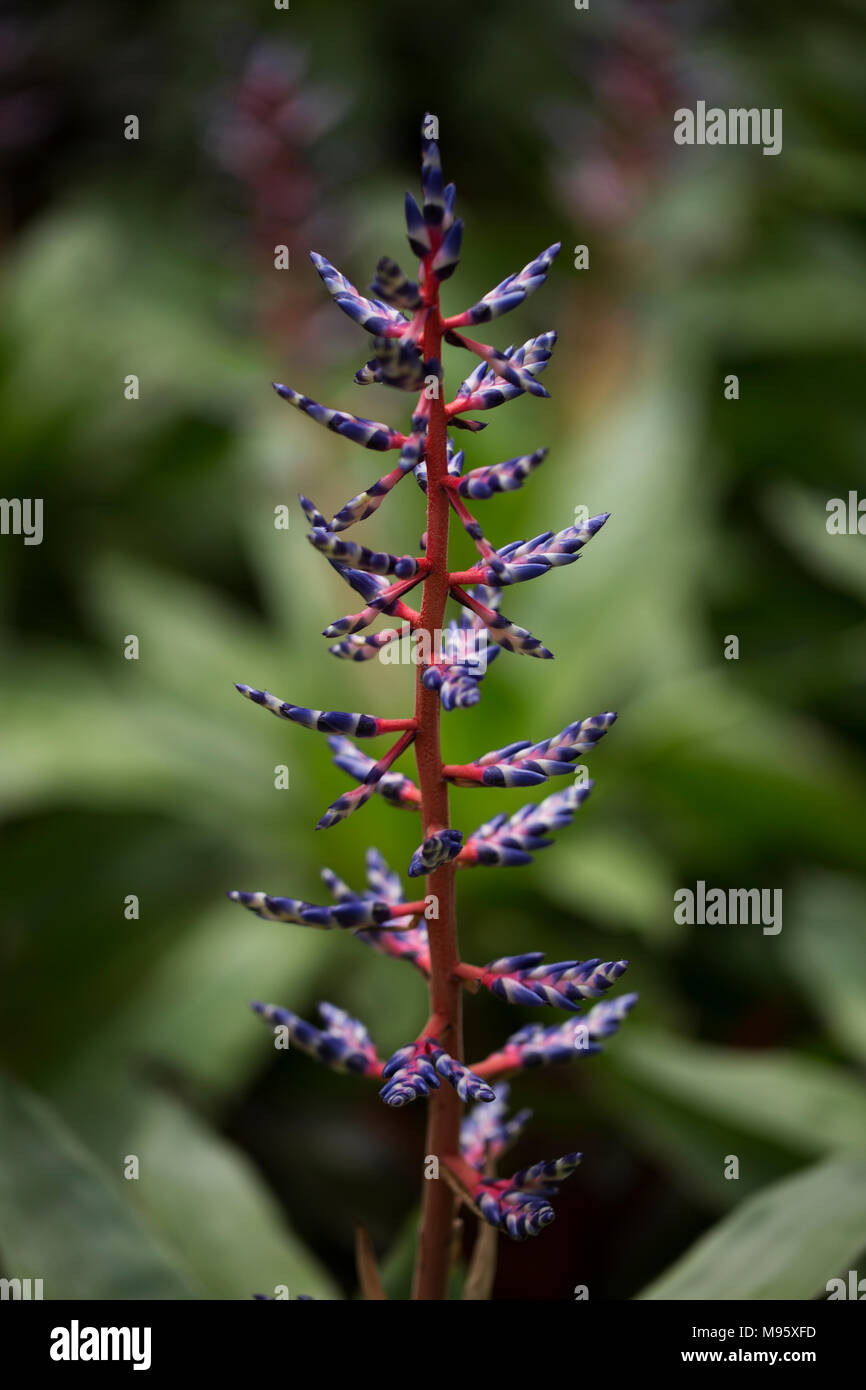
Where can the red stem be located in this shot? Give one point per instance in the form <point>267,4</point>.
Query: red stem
<point>467,972</point>
<point>443,1116</point>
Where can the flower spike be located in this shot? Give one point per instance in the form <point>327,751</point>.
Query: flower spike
<point>404,318</point>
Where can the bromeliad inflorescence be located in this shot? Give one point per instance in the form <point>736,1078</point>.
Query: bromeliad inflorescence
<point>407,330</point>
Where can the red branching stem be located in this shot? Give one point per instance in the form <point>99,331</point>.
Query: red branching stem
<point>464,971</point>
<point>465,773</point>
<point>403,910</point>
<point>444,1105</point>
<point>402,610</point>
<point>433,1027</point>
<point>498,1063</point>
<point>466,576</point>
<point>388,759</point>
<point>391,726</point>
<point>473,604</point>
<point>466,1175</point>
<point>460,405</point>
<point>469,525</point>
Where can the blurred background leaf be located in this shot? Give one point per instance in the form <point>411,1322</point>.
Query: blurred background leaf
<point>61,1220</point>
<point>784,1243</point>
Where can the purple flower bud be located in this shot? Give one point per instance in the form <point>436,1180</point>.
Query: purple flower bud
<point>346,916</point>
<point>416,229</point>
<point>358,556</point>
<point>325,721</point>
<point>439,848</point>
<point>484,388</point>
<point>516,1205</point>
<point>512,840</point>
<point>393,787</point>
<point>505,633</point>
<point>447,258</point>
<point>344,1044</point>
<point>368,433</point>
<point>431,179</point>
<point>563,984</point>
<point>396,364</point>
<point>523,764</point>
<point>415,1070</point>
<point>481,483</point>
<point>486,1132</point>
<point>394,287</point>
<point>511,291</point>
<point>371,314</point>
<point>537,1045</point>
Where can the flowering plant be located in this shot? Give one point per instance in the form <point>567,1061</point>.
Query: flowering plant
<point>408,330</point>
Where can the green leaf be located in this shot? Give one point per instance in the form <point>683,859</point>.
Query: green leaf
<point>811,1105</point>
<point>690,1146</point>
<point>205,1199</point>
<point>786,1242</point>
<point>799,517</point>
<point>619,880</point>
<point>62,1222</point>
<point>399,1263</point>
<point>826,951</point>
<point>191,1014</point>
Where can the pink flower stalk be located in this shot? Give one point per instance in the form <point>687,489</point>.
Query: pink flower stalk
<point>408,328</point>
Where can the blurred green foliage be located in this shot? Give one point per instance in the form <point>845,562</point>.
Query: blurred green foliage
<point>151,777</point>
